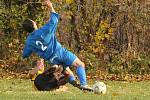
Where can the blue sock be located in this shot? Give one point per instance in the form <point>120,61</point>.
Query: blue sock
<point>81,75</point>
<point>71,78</point>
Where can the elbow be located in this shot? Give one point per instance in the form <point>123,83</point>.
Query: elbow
<point>24,56</point>
<point>55,18</point>
<point>55,21</point>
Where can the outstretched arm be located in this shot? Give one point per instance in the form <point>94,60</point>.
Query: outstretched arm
<point>50,26</point>
<point>49,5</point>
<point>38,69</point>
<point>26,52</point>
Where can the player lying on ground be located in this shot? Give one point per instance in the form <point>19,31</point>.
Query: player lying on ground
<point>44,43</point>
<point>51,78</point>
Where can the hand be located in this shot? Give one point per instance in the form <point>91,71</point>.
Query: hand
<point>48,4</point>
<point>40,64</point>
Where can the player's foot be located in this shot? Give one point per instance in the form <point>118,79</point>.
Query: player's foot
<point>86,87</point>
<point>74,83</point>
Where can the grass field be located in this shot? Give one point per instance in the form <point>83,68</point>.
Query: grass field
<point>16,89</point>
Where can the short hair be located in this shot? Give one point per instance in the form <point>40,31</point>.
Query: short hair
<point>50,79</point>
<point>28,25</point>
<point>46,82</point>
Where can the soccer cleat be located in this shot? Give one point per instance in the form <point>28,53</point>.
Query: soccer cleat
<point>74,83</point>
<point>86,87</point>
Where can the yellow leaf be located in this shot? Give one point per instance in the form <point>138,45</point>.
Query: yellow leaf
<point>69,1</point>
<point>110,30</point>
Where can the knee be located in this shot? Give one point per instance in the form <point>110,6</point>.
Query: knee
<point>81,64</point>
<point>78,62</point>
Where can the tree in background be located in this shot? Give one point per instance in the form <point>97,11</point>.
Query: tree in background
<point>110,35</point>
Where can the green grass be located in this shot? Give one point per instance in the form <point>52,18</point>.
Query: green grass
<point>16,89</point>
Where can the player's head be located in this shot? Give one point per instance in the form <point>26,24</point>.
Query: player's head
<point>50,79</point>
<point>29,25</point>
<point>49,82</point>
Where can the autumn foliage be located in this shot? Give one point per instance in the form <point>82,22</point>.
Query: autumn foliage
<point>110,36</point>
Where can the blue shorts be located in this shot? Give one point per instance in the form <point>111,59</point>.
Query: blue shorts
<point>63,57</point>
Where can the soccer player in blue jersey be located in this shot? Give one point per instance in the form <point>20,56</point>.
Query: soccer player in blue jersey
<point>44,43</point>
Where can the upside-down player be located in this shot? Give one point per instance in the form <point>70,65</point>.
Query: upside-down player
<point>51,78</point>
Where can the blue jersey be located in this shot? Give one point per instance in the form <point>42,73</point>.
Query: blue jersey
<point>43,41</point>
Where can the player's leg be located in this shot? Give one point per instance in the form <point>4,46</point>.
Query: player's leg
<point>63,57</point>
<point>68,59</point>
<point>71,59</point>
<point>71,78</point>
<point>68,73</point>
<point>80,70</point>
